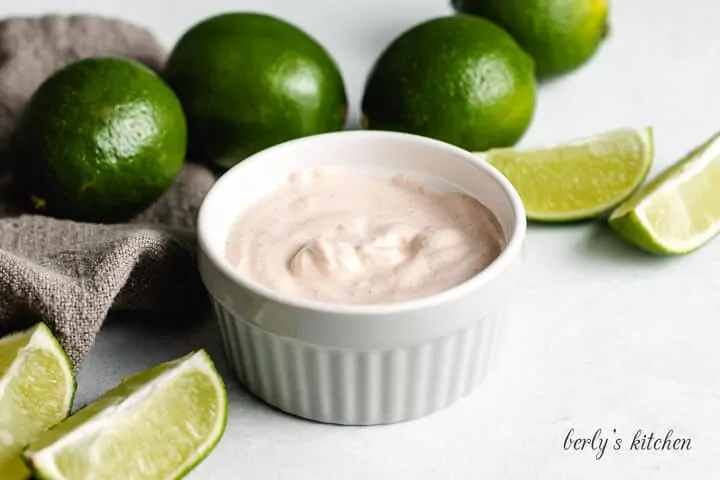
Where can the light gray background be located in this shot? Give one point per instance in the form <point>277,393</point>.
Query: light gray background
<point>601,335</point>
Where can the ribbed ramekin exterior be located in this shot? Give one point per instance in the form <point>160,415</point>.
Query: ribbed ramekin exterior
<point>358,387</point>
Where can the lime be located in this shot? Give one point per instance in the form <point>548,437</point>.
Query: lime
<point>99,140</point>
<point>560,35</point>
<point>248,81</point>
<point>675,213</point>
<point>157,424</point>
<point>36,392</point>
<point>578,180</point>
<point>460,79</point>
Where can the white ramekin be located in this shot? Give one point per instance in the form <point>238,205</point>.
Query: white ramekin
<point>366,364</point>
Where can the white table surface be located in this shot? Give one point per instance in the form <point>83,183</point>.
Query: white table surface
<point>601,336</point>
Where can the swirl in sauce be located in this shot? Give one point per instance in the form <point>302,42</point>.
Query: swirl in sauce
<point>352,238</point>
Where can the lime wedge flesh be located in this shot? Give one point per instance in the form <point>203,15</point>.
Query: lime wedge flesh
<point>36,392</point>
<point>578,180</point>
<point>678,212</point>
<point>155,425</point>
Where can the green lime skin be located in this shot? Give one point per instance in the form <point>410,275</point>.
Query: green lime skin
<point>561,35</point>
<point>248,81</point>
<point>460,79</point>
<point>99,141</point>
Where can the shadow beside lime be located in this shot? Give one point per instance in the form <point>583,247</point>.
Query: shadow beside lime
<point>603,243</point>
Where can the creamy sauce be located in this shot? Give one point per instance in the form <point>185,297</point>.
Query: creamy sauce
<point>352,238</point>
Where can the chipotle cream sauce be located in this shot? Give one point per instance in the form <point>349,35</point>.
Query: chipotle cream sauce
<point>353,238</point>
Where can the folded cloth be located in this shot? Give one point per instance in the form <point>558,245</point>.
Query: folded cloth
<point>68,274</point>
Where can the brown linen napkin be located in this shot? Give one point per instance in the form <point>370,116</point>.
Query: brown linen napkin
<point>68,274</point>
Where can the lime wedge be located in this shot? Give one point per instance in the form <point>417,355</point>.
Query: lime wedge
<point>36,392</point>
<point>677,212</point>
<point>578,180</point>
<point>155,425</point>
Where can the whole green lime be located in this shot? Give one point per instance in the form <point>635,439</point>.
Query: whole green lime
<point>248,81</point>
<point>460,79</point>
<point>561,35</point>
<point>100,140</point>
